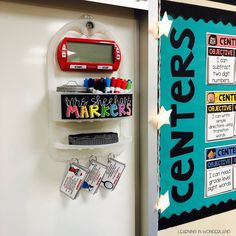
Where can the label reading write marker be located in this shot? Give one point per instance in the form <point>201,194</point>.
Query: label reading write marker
<point>113,174</point>
<point>95,175</point>
<point>73,180</point>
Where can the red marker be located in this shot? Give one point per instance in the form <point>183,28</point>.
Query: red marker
<point>96,86</point>
<point>113,84</point>
<point>118,85</point>
<point>123,86</point>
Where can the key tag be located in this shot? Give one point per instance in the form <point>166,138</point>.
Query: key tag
<point>95,175</point>
<point>113,173</point>
<point>73,179</point>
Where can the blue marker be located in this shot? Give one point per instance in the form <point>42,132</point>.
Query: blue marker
<point>86,83</point>
<point>107,85</point>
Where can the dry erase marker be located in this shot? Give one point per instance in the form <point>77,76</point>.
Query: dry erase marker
<point>113,84</point>
<point>108,85</point>
<point>91,84</point>
<point>123,86</point>
<point>86,83</point>
<point>129,85</point>
<point>102,85</point>
<point>118,85</point>
<point>97,86</point>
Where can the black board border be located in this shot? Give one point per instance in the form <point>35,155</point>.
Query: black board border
<point>198,12</point>
<point>195,214</point>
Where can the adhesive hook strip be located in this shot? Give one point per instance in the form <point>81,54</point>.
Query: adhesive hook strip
<point>92,157</point>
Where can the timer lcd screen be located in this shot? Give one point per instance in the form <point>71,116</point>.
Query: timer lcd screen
<point>90,52</point>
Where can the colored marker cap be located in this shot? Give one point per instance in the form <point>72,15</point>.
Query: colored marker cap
<point>102,85</point>
<point>113,82</point>
<point>96,84</point>
<point>118,83</point>
<point>124,84</point>
<point>108,82</point>
<point>86,83</point>
<point>91,83</point>
<point>129,85</point>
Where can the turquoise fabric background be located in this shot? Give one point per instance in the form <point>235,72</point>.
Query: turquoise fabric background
<point>197,125</point>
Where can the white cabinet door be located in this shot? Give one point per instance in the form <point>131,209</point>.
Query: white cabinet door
<point>138,4</point>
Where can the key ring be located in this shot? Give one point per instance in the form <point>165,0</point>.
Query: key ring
<point>92,157</point>
<point>111,156</point>
<point>74,160</point>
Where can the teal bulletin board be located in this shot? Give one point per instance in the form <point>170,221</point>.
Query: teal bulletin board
<point>197,149</point>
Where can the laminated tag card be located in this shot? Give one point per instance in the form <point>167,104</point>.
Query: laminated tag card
<point>113,173</point>
<point>73,180</point>
<point>197,149</point>
<point>94,178</point>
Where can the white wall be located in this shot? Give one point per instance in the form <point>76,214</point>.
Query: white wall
<point>31,204</point>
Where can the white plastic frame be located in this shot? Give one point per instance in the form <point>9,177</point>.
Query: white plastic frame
<point>58,128</point>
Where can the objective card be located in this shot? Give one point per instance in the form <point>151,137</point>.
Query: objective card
<point>220,115</point>
<point>221,58</point>
<point>220,170</point>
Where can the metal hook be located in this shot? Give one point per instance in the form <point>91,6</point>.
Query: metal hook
<point>92,157</point>
<point>74,160</point>
<point>111,156</point>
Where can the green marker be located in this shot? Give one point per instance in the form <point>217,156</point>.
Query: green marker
<point>129,85</point>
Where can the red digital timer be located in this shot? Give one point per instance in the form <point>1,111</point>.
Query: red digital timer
<point>88,54</point>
